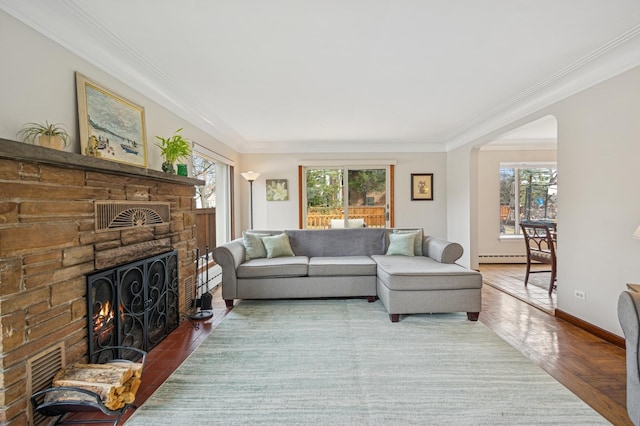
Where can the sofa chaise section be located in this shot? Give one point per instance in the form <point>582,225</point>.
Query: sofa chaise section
<point>414,285</point>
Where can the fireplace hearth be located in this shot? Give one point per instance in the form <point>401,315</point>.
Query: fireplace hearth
<point>133,305</point>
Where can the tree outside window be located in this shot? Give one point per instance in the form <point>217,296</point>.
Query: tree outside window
<point>326,194</point>
<point>527,195</point>
<point>205,169</point>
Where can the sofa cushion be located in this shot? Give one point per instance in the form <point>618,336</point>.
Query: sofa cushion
<point>401,245</point>
<point>277,246</point>
<point>292,266</point>
<point>341,266</point>
<point>337,242</point>
<point>253,245</point>
<point>424,273</point>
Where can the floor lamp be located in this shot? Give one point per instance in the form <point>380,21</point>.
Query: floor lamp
<point>251,177</point>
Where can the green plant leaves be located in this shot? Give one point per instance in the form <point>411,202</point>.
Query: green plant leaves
<point>174,147</point>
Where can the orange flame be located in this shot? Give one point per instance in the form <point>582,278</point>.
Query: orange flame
<point>104,317</point>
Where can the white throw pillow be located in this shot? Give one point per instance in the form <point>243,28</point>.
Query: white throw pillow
<point>401,244</point>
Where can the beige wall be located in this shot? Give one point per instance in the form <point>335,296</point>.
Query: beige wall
<point>431,215</point>
<point>38,84</point>
<point>598,209</point>
<point>598,148</point>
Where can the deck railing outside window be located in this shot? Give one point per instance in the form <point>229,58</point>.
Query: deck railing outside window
<point>320,218</point>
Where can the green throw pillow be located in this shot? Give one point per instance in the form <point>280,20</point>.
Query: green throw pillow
<point>417,243</point>
<point>253,245</point>
<point>401,244</point>
<point>277,246</point>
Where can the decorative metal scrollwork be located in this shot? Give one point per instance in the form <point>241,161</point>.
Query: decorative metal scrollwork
<point>119,215</point>
<point>133,305</point>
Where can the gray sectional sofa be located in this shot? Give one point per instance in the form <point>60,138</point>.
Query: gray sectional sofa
<point>410,273</point>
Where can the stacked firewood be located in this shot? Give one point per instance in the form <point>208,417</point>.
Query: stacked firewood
<point>116,383</point>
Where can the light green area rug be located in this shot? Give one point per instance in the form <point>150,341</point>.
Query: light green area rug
<point>344,362</point>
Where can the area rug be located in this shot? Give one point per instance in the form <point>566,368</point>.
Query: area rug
<point>344,362</point>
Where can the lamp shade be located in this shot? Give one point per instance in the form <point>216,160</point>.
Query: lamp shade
<point>636,233</point>
<point>250,175</point>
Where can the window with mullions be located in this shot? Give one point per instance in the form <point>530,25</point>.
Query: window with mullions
<point>346,197</point>
<point>527,194</point>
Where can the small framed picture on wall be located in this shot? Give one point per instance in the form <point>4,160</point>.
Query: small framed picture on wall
<point>277,190</point>
<point>422,186</point>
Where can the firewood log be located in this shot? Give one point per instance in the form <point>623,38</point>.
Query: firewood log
<point>95,373</point>
<point>106,391</point>
<point>135,367</point>
<point>115,383</point>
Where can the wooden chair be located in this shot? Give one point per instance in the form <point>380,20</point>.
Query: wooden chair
<point>62,401</point>
<point>541,247</point>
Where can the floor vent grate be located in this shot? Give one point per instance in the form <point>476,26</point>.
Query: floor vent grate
<point>41,369</point>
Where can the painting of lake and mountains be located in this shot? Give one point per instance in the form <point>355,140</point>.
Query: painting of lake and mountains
<point>115,128</point>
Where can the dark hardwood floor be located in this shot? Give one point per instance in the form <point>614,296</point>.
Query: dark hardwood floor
<point>590,367</point>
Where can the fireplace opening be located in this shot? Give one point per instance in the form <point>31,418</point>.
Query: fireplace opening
<point>133,305</point>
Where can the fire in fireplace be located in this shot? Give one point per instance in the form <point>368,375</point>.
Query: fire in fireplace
<point>133,305</point>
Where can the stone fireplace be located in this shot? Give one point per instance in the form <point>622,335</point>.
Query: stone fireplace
<point>50,242</point>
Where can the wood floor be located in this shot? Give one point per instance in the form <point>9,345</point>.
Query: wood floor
<point>509,279</point>
<point>590,367</point>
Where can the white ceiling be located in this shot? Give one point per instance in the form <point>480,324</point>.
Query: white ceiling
<point>347,75</point>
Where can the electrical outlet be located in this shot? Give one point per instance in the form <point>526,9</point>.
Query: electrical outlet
<point>580,294</point>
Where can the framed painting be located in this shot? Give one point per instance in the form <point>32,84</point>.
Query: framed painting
<point>422,186</point>
<point>111,127</point>
<point>277,190</point>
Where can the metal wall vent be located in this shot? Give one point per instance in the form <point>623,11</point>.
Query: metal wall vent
<point>124,214</point>
<point>41,368</point>
<point>190,292</point>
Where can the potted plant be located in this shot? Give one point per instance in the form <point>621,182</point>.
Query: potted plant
<point>50,135</point>
<point>172,149</point>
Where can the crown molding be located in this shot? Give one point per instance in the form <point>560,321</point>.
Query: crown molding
<point>319,146</point>
<point>619,55</point>
<point>49,18</point>
<point>521,144</point>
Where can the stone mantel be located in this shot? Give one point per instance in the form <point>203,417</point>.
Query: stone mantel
<point>34,153</point>
<point>49,243</point>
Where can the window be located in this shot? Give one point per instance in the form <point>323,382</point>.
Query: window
<point>214,207</point>
<point>205,169</point>
<point>527,193</point>
<point>346,197</point>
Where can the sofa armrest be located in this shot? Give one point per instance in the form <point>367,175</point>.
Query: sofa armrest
<point>440,250</point>
<point>229,256</point>
<point>629,317</point>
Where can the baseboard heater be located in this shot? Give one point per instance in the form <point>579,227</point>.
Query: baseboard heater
<point>502,258</point>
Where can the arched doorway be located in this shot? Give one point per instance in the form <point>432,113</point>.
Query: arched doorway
<point>517,178</point>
